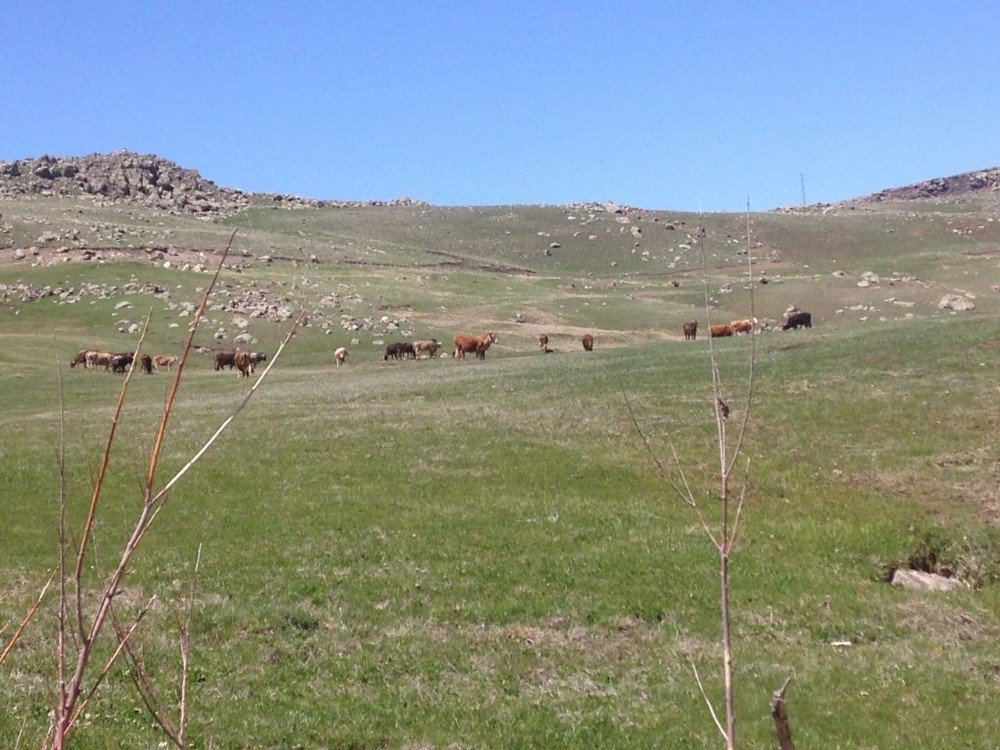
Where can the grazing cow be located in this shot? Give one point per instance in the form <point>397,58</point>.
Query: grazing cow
<point>803,319</point>
<point>691,331</point>
<point>477,344</point>
<point>430,347</point>
<point>80,359</point>
<point>588,342</point>
<point>723,330</point>
<point>399,350</point>
<point>147,364</point>
<point>743,326</point>
<point>340,354</point>
<point>543,341</point>
<point>96,359</point>
<point>121,361</point>
<point>225,358</point>
<point>164,361</point>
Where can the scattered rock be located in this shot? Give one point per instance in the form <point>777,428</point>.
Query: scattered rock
<point>956,302</point>
<point>918,580</point>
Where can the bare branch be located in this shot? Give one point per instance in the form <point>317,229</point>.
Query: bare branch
<point>88,527</point>
<point>708,703</point>
<point>27,619</point>
<point>186,651</point>
<point>222,428</point>
<point>82,706</point>
<point>782,731</point>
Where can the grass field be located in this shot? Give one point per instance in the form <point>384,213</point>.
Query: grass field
<point>443,554</point>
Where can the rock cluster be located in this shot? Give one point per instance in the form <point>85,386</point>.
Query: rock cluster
<point>122,176</point>
<point>129,177</point>
<point>960,184</point>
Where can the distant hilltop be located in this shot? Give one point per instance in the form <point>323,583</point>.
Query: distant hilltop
<point>128,177</point>
<point>942,187</point>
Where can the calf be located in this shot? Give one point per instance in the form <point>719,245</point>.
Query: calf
<point>164,361</point>
<point>691,331</point>
<point>802,319</point>
<point>723,330</point>
<point>543,341</point>
<point>147,364</point>
<point>744,325</point>
<point>430,347</point>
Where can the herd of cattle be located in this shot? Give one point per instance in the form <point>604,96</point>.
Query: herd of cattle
<point>797,319</point>
<point>245,361</point>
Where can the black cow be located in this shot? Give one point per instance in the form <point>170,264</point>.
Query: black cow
<point>400,350</point>
<point>795,320</point>
<point>122,361</point>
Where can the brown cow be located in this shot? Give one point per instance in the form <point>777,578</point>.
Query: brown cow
<point>164,361</point>
<point>477,344</point>
<point>588,342</point>
<point>243,363</point>
<point>543,341</point>
<point>691,331</point>
<point>80,359</point>
<point>225,358</point>
<point>744,325</point>
<point>147,364</point>
<point>428,347</point>
<point>95,359</point>
<point>723,330</point>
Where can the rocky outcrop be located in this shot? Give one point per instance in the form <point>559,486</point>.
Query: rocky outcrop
<point>942,187</point>
<point>128,177</point>
<point>122,176</point>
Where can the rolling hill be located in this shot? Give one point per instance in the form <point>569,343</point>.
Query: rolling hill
<point>442,553</point>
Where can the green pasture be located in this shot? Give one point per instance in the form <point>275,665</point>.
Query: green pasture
<point>481,554</point>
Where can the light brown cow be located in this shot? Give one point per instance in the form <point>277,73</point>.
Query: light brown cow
<point>744,325</point>
<point>427,347</point>
<point>340,354</point>
<point>164,361</point>
<point>477,344</point>
<point>588,342</point>
<point>246,362</point>
<point>723,330</point>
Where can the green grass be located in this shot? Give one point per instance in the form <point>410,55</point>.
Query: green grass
<point>480,554</point>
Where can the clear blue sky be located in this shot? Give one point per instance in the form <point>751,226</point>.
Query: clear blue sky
<point>677,105</point>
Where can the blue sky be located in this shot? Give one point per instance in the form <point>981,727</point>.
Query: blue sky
<point>695,105</point>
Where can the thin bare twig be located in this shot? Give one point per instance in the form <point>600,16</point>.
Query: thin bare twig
<point>186,651</point>
<point>27,619</point>
<point>704,695</point>
<point>222,428</point>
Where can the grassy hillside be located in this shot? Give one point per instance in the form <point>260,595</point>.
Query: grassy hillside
<point>480,554</point>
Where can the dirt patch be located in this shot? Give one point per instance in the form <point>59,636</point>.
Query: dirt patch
<point>991,344</point>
